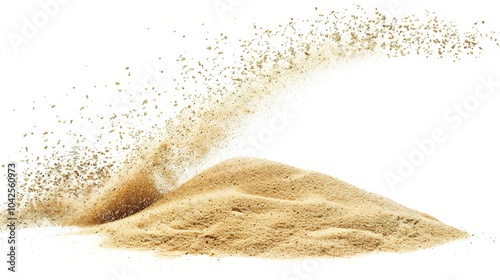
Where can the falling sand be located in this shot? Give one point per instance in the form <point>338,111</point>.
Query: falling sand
<point>243,206</point>
<point>253,207</point>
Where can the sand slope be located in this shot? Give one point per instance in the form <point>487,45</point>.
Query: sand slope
<point>254,207</point>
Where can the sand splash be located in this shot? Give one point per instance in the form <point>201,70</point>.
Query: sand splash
<point>97,188</point>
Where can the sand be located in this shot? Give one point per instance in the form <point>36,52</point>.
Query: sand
<point>143,153</point>
<point>255,207</point>
<point>131,183</point>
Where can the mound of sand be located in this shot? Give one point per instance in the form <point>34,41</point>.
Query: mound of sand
<point>253,207</point>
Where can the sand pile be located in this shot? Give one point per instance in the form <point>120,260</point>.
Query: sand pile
<point>253,207</point>
<point>130,180</point>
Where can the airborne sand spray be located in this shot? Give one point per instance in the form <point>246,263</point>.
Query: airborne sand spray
<point>97,188</point>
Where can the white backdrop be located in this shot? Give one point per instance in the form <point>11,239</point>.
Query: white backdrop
<point>356,123</point>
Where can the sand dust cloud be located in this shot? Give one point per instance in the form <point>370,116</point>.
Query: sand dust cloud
<point>241,206</point>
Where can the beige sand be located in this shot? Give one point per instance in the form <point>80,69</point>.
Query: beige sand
<point>253,207</point>
<point>130,185</point>
<point>130,162</point>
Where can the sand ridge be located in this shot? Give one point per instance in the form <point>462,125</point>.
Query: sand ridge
<point>255,207</point>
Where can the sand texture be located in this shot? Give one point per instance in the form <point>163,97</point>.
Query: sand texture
<point>253,207</point>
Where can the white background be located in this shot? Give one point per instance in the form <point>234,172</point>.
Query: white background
<point>353,123</point>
